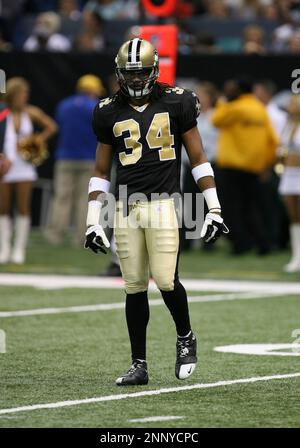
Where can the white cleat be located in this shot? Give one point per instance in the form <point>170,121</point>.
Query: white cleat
<point>185,371</point>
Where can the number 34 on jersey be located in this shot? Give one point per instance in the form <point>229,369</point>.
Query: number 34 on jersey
<point>147,141</point>
<point>158,137</point>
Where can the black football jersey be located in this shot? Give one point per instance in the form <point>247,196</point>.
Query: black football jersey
<point>147,142</point>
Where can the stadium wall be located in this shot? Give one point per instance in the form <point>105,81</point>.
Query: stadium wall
<point>53,76</point>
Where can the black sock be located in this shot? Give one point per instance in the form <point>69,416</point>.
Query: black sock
<point>137,317</point>
<point>177,303</point>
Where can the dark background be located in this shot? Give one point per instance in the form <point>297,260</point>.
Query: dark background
<point>53,76</point>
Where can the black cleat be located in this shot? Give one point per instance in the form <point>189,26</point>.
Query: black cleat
<point>186,358</point>
<point>136,375</point>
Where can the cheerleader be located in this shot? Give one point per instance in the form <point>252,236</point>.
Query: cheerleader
<point>289,186</point>
<point>20,178</point>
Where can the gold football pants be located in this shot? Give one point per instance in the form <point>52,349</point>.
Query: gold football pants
<point>147,239</point>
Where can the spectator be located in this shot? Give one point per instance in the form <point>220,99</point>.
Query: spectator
<point>208,96</point>
<point>288,10</point>
<point>243,120</point>
<point>217,9</point>
<point>270,12</point>
<point>249,9</point>
<point>253,36</point>
<point>69,9</point>
<point>290,181</point>
<point>205,43</point>
<point>21,175</point>
<point>91,36</point>
<point>283,34</point>
<point>45,35</point>
<point>265,90</point>
<point>114,9</point>
<point>271,206</point>
<point>75,156</point>
<point>294,43</point>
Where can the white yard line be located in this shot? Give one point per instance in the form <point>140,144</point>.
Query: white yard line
<point>120,305</point>
<point>261,349</point>
<point>162,418</point>
<point>146,393</point>
<point>70,281</point>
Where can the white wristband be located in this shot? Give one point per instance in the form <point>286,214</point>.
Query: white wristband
<point>211,198</point>
<point>202,170</point>
<point>93,215</point>
<point>98,184</point>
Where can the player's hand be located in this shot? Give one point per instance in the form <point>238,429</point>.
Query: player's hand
<point>95,239</point>
<point>213,227</point>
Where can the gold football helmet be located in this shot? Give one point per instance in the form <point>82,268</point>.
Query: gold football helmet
<point>137,68</point>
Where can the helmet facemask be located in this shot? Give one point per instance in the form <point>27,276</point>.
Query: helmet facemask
<point>137,83</point>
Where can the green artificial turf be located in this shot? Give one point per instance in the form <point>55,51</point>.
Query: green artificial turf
<point>74,356</point>
<point>216,264</point>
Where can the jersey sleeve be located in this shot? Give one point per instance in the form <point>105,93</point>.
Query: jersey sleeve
<point>101,125</point>
<point>189,111</point>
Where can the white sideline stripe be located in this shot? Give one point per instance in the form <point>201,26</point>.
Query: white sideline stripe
<point>162,418</point>
<point>70,281</point>
<point>146,393</point>
<point>120,305</point>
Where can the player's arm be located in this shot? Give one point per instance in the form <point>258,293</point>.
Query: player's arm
<point>201,168</point>
<point>101,175</point>
<point>99,184</point>
<point>204,177</point>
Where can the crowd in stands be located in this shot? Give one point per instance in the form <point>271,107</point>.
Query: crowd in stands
<point>206,26</point>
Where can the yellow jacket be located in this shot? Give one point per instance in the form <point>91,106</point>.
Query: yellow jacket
<point>247,140</point>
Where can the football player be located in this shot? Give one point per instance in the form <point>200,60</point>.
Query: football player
<point>143,126</point>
